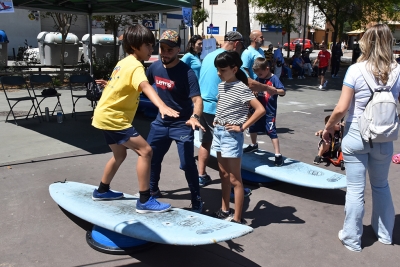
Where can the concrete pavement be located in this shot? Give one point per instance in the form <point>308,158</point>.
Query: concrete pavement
<point>292,225</point>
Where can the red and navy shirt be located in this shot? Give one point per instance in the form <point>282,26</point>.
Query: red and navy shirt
<point>270,102</point>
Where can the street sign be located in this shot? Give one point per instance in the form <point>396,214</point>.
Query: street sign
<point>234,29</point>
<point>213,30</point>
<point>149,24</point>
<point>270,28</point>
<point>213,2</point>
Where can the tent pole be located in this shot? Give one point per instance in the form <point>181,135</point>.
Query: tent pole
<point>90,43</point>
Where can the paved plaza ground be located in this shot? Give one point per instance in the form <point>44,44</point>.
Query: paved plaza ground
<point>293,226</point>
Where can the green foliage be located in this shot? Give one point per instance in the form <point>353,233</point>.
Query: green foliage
<point>199,16</point>
<point>56,81</point>
<point>103,67</point>
<point>356,13</point>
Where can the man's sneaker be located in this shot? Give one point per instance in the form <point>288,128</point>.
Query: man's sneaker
<point>317,160</point>
<point>321,88</point>
<point>204,180</point>
<point>197,206</point>
<point>227,216</point>
<point>247,192</point>
<point>278,160</point>
<point>152,205</point>
<point>251,148</point>
<point>109,195</point>
<point>242,221</point>
<point>325,83</point>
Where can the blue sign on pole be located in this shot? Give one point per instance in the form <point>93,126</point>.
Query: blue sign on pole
<point>150,24</point>
<point>271,28</point>
<point>234,29</point>
<point>213,30</point>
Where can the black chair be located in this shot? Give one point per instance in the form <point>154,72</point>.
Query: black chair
<point>45,83</point>
<point>79,84</point>
<point>19,82</point>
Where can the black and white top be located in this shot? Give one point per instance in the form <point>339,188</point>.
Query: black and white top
<point>233,103</point>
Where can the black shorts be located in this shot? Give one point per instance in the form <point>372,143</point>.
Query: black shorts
<point>207,120</point>
<point>322,71</point>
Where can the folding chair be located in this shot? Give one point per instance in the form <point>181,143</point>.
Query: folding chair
<point>44,82</point>
<point>20,82</point>
<point>79,83</point>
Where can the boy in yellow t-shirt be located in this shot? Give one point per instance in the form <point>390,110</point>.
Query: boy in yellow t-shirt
<point>115,112</point>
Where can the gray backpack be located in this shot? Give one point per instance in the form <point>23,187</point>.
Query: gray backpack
<point>380,121</point>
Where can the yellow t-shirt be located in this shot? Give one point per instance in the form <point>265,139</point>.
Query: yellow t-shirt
<point>120,98</point>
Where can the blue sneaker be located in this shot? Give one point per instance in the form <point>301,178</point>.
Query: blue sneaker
<point>247,192</point>
<point>152,205</point>
<point>109,195</point>
<point>197,206</point>
<point>204,181</point>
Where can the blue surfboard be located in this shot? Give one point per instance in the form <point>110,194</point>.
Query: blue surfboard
<point>260,164</point>
<point>175,227</point>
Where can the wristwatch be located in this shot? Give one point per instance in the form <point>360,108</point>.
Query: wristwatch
<point>195,116</point>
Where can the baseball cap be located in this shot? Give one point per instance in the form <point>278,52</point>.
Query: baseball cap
<point>170,38</point>
<point>233,36</point>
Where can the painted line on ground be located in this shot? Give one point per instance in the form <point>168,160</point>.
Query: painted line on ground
<point>301,112</point>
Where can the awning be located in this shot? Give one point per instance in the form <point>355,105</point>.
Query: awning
<point>109,7</point>
<point>355,32</point>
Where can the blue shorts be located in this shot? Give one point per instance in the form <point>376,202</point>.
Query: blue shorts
<point>265,125</point>
<point>119,137</point>
<point>230,144</point>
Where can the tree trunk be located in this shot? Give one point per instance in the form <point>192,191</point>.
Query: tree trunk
<point>243,20</point>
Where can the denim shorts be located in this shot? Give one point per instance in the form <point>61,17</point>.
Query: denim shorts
<point>119,137</point>
<point>230,144</point>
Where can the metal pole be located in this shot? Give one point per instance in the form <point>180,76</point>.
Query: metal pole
<point>226,26</point>
<point>305,26</point>
<point>90,43</point>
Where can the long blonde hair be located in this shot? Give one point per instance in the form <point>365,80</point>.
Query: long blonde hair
<point>376,48</point>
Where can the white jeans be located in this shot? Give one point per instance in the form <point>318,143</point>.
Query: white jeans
<point>360,157</point>
<point>278,71</point>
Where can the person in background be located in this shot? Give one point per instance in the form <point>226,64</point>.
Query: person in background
<point>278,61</point>
<point>323,59</point>
<point>298,65</point>
<point>252,52</point>
<point>192,56</point>
<point>359,157</point>
<point>337,54</point>
<point>307,63</point>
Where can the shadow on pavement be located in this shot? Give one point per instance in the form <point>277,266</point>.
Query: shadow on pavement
<point>80,133</point>
<point>206,255</point>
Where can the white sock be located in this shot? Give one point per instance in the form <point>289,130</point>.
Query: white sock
<point>277,155</point>
<point>203,175</point>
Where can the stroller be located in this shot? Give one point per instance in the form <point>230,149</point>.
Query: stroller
<point>334,155</point>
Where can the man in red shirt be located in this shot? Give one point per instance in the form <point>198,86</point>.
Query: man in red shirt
<point>323,59</point>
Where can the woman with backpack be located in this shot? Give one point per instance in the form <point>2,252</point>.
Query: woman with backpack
<point>359,155</point>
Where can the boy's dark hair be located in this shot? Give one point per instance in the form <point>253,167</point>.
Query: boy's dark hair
<point>231,59</point>
<point>191,43</point>
<point>261,64</point>
<point>327,119</point>
<point>135,36</point>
